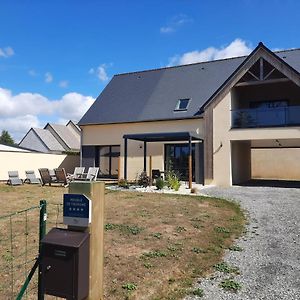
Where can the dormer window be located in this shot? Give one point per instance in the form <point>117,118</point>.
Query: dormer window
<point>182,104</point>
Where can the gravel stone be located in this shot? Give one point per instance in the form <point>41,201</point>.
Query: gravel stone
<point>269,264</point>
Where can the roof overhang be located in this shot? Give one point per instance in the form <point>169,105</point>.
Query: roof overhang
<point>164,136</point>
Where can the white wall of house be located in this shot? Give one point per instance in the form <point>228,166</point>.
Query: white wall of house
<point>21,161</point>
<point>112,134</point>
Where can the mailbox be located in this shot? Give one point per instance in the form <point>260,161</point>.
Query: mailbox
<point>65,264</point>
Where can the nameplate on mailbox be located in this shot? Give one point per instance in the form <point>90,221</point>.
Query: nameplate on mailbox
<point>77,210</point>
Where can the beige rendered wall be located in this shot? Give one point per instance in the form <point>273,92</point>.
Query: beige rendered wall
<point>275,163</point>
<point>224,135</point>
<point>113,135</point>
<point>20,161</point>
<point>241,161</point>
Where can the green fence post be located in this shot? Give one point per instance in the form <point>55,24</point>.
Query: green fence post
<point>42,232</point>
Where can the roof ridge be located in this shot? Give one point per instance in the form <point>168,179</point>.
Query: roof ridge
<point>180,66</point>
<point>198,63</point>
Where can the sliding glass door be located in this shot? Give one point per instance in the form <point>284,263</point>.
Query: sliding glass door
<point>108,161</point>
<point>177,159</point>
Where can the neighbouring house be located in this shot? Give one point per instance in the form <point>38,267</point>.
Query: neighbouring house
<point>220,122</point>
<point>54,138</point>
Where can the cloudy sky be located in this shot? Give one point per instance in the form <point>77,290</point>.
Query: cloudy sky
<point>56,56</point>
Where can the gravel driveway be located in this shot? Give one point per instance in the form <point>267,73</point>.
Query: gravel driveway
<point>269,264</point>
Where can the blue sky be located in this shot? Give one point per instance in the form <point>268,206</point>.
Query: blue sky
<point>56,56</point>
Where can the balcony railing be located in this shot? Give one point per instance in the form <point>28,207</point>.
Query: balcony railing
<point>265,117</point>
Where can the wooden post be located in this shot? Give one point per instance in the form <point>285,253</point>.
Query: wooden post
<point>125,158</point>
<point>95,192</point>
<point>190,171</point>
<point>119,168</point>
<point>190,163</point>
<point>150,169</point>
<point>145,156</point>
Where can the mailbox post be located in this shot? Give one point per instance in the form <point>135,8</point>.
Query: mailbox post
<point>72,259</point>
<point>95,192</point>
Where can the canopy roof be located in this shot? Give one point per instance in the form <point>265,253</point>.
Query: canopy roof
<point>163,136</point>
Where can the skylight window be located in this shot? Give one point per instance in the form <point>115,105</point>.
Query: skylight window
<point>182,104</point>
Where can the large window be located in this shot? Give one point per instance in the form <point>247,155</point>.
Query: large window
<point>108,161</point>
<point>177,159</point>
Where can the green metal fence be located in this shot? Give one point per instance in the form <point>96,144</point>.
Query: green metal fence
<point>20,235</point>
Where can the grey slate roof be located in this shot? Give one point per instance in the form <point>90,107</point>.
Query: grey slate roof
<point>153,95</point>
<point>48,139</point>
<point>68,137</point>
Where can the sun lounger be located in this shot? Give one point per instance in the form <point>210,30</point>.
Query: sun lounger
<point>91,175</point>
<point>78,173</point>
<point>61,177</point>
<point>31,178</point>
<point>13,178</point>
<point>46,178</point>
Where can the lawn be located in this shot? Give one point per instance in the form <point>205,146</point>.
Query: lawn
<point>156,245</point>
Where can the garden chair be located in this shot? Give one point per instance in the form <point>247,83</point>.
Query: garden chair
<point>91,175</point>
<point>31,178</point>
<point>78,173</point>
<point>46,178</point>
<point>13,178</point>
<point>61,177</point>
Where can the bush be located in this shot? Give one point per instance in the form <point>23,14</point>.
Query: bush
<point>172,180</point>
<point>143,179</point>
<point>123,184</point>
<point>159,183</point>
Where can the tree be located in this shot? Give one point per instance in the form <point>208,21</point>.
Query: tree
<point>6,138</point>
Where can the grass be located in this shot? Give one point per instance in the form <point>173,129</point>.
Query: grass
<point>230,285</point>
<point>225,268</point>
<point>156,245</point>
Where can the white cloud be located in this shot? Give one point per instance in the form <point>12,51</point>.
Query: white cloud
<point>72,106</point>
<point>175,23</point>
<point>100,72</point>
<point>32,73</point>
<point>64,83</point>
<point>236,48</point>
<point>18,113</point>
<point>48,77</point>
<point>6,52</point>
<point>167,29</point>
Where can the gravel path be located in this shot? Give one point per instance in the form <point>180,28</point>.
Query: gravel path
<point>270,261</point>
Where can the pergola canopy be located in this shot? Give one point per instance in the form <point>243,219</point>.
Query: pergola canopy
<point>163,136</point>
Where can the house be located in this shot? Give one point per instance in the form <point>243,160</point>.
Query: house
<point>67,135</point>
<point>54,138</point>
<point>220,122</point>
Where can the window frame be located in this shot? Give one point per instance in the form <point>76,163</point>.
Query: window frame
<point>177,108</point>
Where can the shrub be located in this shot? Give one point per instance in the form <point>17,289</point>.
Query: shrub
<point>172,180</point>
<point>198,292</point>
<point>143,179</point>
<point>123,183</point>
<point>159,183</point>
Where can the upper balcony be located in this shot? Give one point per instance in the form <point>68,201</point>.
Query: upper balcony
<point>265,117</point>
